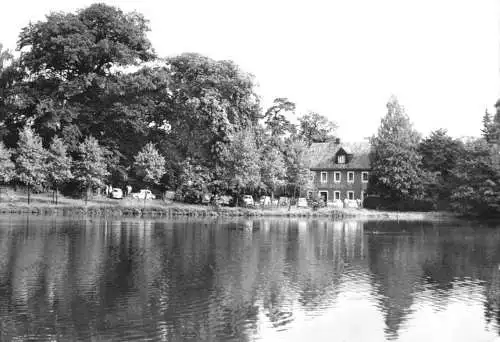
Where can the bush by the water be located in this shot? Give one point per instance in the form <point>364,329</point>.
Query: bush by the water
<point>379,203</point>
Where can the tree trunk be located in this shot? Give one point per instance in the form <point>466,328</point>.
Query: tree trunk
<point>29,191</point>
<point>87,195</point>
<point>293,196</point>
<point>57,195</point>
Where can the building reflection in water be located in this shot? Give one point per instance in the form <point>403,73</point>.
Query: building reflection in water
<point>241,280</point>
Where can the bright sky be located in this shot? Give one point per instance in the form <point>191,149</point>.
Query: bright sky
<point>343,59</point>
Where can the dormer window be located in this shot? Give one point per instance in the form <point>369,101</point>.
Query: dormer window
<point>341,159</point>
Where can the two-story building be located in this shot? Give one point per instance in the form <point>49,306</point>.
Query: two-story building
<point>339,170</point>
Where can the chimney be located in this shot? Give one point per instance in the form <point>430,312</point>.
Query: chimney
<point>337,141</point>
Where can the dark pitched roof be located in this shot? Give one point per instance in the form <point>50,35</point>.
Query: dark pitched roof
<point>322,156</point>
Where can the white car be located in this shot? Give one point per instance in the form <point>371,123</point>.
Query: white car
<point>143,194</point>
<point>248,200</point>
<point>117,193</point>
<point>302,203</point>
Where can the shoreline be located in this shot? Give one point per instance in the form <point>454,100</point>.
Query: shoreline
<point>174,209</point>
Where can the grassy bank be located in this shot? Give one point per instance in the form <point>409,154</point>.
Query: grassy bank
<point>41,204</point>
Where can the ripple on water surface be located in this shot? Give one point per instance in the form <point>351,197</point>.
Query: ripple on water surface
<point>221,280</point>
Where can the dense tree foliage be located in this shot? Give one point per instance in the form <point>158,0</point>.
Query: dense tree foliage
<point>242,163</point>
<point>440,154</point>
<point>149,164</point>
<point>476,180</point>
<point>90,168</point>
<point>31,160</point>
<point>72,79</point>
<point>209,102</point>
<point>314,127</point>
<point>59,165</point>
<point>88,87</point>
<point>273,169</point>
<point>7,167</point>
<point>397,172</point>
<point>297,170</point>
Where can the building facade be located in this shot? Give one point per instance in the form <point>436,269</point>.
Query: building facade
<point>339,171</point>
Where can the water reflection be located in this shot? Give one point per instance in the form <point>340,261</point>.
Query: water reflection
<point>247,280</point>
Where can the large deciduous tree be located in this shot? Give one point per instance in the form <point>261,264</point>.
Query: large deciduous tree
<point>314,127</point>
<point>397,173</point>
<point>90,168</point>
<point>31,160</point>
<point>210,101</point>
<point>77,81</point>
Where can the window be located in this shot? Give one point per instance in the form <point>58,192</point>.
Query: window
<point>309,194</point>
<point>350,177</point>
<point>341,159</point>
<point>336,177</point>
<point>324,177</point>
<point>324,196</point>
<point>350,195</point>
<point>364,177</point>
<point>336,195</point>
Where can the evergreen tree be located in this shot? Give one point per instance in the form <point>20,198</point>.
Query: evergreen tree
<point>397,173</point>
<point>58,165</point>
<point>149,164</point>
<point>90,167</point>
<point>31,160</point>
<point>487,126</point>
<point>276,121</point>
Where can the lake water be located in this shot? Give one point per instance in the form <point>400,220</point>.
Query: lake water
<point>249,280</point>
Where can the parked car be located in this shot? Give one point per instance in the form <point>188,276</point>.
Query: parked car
<point>116,193</point>
<point>248,200</point>
<point>302,202</point>
<point>206,198</point>
<point>284,201</point>
<point>224,200</point>
<point>143,194</point>
<point>265,200</point>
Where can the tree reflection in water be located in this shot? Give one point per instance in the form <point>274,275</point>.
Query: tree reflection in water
<point>239,280</point>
